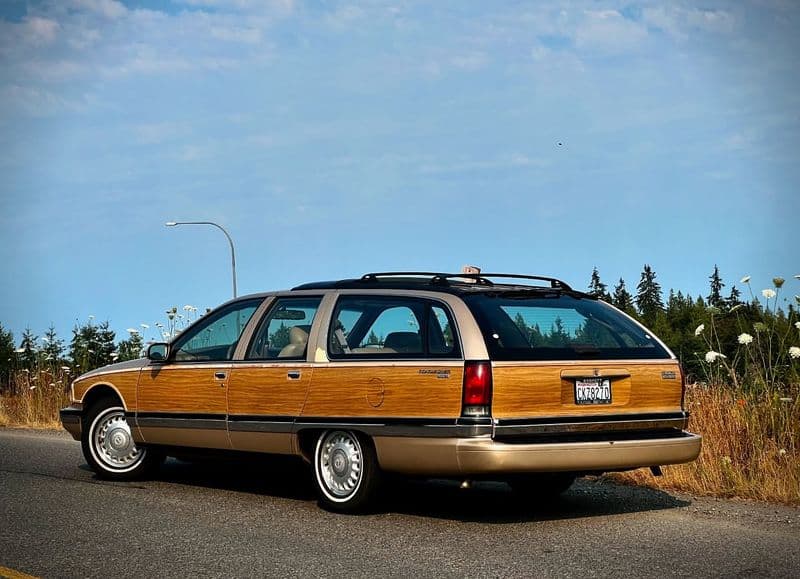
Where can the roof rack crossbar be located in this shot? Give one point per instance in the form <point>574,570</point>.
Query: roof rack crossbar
<point>481,278</point>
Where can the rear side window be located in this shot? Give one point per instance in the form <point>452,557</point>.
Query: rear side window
<point>559,327</point>
<point>390,327</point>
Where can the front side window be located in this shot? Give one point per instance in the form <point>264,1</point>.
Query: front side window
<point>561,327</point>
<point>393,327</point>
<point>283,333</point>
<point>214,338</point>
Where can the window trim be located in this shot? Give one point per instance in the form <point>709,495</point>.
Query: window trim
<point>428,302</point>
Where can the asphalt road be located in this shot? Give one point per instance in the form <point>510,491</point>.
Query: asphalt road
<point>259,518</point>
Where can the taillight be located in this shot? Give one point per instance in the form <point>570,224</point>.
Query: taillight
<point>477,389</point>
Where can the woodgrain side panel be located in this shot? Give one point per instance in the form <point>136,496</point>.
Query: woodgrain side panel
<point>528,390</point>
<point>172,388</point>
<point>268,390</point>
<point>386,391</point>
<point>123,382</point>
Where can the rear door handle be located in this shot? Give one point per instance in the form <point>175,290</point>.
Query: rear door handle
<point>220,375</point>
<point>293,374</point>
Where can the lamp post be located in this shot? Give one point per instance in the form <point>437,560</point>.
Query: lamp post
<point>222,229</point>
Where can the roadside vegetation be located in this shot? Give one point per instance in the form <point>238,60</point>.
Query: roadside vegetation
<point>741,355</point>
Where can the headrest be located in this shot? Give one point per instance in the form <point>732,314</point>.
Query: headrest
<point>299,334</point>
<point>408,342</point>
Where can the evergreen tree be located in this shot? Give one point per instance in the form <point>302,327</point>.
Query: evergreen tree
<point>7,357</point>
<point>91,346</point>
<point>29,350</point>
<point>597,288</point>
<point>622,298</point>
<point>734,298</point>
<point>130,349</point>
<point>373,339</point>
<point>280,337</point>
<point>53,348</point>
<point>715,297</point>
<point>648,296</point>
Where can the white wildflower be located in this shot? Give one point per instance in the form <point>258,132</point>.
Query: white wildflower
<point>746,279</point>
<point>187,308</point>
<point>768,293</point>
<point>145,326</point>
<point>745,339</point>
<point>699,329</point>
<point>712,356</point>
<point>32,387</point>
<point>794,352</point>
<point>20,350</point>
<point>797,325</point>
<point>132,331</point>
<point>797,276</point>
<point>65,368</point>
<point>782,452</point>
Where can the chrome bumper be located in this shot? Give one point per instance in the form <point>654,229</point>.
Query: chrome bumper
<point>72,420</point>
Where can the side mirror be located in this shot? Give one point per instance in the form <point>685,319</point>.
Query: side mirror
<point>158,352</point>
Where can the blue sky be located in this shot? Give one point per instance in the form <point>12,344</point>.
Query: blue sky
<point>335,138</point>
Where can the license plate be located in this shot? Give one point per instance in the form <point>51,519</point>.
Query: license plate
<point>593,391</point>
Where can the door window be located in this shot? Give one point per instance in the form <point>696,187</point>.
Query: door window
<point>283,333</point>
<point>214,338</point>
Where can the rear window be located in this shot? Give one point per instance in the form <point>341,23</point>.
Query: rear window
<point>559,327</point>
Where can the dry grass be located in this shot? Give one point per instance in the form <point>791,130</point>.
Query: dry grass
<point>34,399</point>
<point>751,448</point>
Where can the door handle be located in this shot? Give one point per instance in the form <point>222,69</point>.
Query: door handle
<point>220,375</point>
<point>293,374</point>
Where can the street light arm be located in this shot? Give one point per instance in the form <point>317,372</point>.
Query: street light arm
<point>227,235</point>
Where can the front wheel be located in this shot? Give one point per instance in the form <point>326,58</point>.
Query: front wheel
<point>346,471</point>
<point>108,445</point>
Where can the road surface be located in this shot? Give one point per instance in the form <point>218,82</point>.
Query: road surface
<point>259,518</point>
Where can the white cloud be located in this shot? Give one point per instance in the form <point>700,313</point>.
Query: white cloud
<point>608,31</point>
<point>40,30</point>
<point>680,22</point>
<point>110,9</point>
<point>236,34</point>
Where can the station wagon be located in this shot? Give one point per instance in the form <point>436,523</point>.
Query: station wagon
<point>428,374</point>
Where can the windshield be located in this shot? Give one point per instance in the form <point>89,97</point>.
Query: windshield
<point>559,327</point>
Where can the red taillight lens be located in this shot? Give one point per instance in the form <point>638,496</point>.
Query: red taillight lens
<point>477,384</point>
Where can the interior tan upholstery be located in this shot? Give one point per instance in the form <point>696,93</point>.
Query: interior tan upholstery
<point>298,339</point>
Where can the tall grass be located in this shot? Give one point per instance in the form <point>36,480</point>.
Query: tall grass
<point>33,398</point>
<point>751,448</point>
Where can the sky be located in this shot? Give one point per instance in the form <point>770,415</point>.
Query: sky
<point>336,138</point>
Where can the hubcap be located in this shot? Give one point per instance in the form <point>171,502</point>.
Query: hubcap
<point>340,463</point>
<point>113,443</point>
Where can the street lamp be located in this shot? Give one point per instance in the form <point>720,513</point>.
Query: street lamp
<point>222,229</point>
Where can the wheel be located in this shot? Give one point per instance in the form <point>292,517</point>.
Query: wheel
<point>108,444</point>
<point>545,485</point>
<point>346,471</point>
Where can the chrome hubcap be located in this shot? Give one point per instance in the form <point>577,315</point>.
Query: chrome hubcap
<point>113,443</point>
<point>340,463</point>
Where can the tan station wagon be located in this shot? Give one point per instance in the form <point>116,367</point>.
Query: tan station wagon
<point>427,374</point>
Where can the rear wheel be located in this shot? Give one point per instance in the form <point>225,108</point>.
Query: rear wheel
<point>542,485</point>
<point>346,471</point>
<point>108,445</point>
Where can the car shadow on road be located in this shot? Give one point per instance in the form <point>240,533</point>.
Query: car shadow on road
<point>483,501</point>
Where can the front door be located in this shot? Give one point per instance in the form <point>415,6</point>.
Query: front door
<point>183,402</point>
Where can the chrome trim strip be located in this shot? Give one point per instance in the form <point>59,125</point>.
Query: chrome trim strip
<point>403,430</point>
<point>198,423</point>
<point>279,427</point>
<point>609,426</point>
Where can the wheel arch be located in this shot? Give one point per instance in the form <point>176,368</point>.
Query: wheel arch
<point>102,390</point>
<point>307,439</point>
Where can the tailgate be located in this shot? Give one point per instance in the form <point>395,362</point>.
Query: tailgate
<point>541,389</point>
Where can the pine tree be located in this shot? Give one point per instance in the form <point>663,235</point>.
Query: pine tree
<point>622,298</point>
<point>648,296</point>
<point>715,297</point>
<point>91,346</point>
<point>7,357</point>
<point>130,349</point>
<point>734,298</point>
<point>53,348</point>
<point>597,288</point>
<point>29,352</point>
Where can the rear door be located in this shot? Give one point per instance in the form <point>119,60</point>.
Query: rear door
<point>561,355</point>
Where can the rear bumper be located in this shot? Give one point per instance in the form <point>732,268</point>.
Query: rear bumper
<point>72,420</point>
<point>485,456</point>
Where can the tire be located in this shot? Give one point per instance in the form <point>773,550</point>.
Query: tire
<point>108,445</point>
<point>346,471</point>
<point>542,486</point>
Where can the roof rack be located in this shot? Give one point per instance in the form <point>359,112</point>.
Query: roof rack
<point>480,278</point>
